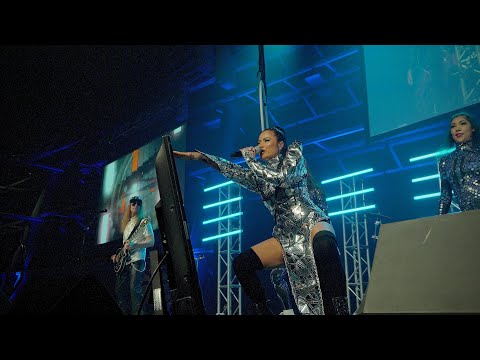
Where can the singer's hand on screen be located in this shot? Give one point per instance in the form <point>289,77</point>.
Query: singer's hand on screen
<point>189,155</point>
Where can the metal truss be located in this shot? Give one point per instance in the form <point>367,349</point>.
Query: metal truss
<point>355,242</point>
<point>229,295</point>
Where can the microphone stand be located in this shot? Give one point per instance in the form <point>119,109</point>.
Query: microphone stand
<point>377,223</point>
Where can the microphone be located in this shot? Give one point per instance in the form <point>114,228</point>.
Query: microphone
<point>238,153</point>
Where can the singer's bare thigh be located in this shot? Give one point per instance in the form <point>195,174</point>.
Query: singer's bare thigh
<point>270,252</point>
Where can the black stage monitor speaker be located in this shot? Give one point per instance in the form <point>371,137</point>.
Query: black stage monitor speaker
<point>428,265</point>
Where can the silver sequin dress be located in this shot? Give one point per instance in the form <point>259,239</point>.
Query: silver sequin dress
<point>282,184</point>
<point>460,173</point>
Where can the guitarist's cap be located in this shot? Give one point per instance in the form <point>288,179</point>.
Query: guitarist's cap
<point>136,199</point>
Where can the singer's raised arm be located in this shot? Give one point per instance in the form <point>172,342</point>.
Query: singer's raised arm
<point>242,176</point>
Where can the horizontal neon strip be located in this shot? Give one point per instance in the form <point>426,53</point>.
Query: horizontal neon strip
<point>177,130</point>
<point>426,196</point>
<point>217,186</point>
<point>438,153</point>
<point>350,194</point>
<point>348,175</point>
<point>352,210</point>
<point>426,178</point>
<point>222,235</point>
<point>222,218</point>
<point>222,202</point>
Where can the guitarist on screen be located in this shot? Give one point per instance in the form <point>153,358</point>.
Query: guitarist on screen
<point>129,261</point>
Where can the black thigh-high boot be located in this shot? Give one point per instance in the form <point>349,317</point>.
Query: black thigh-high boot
<point>245,266</point>
<point>331,273</point>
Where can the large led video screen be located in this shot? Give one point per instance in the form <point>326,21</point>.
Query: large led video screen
<point>407,84</point>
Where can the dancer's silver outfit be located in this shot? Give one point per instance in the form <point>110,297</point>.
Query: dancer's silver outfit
<point>282,184</point>
<point>460,172</point>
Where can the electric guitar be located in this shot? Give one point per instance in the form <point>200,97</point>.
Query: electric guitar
<point>122,255</point>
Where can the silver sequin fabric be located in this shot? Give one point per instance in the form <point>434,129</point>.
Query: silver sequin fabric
<point>282,184</point>
<point>460,173</point>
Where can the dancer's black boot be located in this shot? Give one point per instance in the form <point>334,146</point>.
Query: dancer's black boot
<point>245,266</point>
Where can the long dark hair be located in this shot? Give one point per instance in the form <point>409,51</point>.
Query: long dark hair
<point>316,190</point>
<point>471,120</point>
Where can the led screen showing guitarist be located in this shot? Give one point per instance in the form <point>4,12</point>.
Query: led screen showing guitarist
<point>130,260</point>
